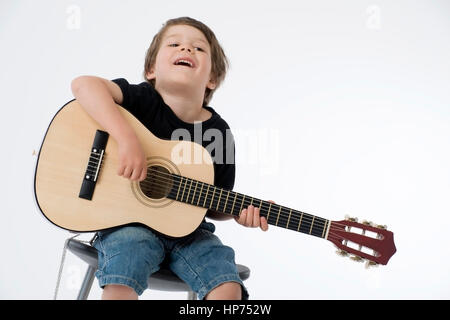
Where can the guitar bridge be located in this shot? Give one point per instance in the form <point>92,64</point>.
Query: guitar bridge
<point>94,165</point>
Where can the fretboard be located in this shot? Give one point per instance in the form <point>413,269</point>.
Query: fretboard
<point>205,195</point>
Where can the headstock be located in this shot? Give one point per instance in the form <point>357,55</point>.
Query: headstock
<point>362,241</point>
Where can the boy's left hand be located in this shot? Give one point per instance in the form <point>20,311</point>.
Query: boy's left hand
<point>250,218</point>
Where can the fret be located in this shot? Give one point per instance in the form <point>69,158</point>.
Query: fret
<point>300,222</point>
<point>193,197</point>
<point>268,212</point>
<point>226,201</point>
<point>294,220</point>
<point>242,204</point>
<point>312,223</point>
<point>251,202</point>
<point>206,196</point>
<point>179,186</point>
<point>261,210</point>
<point>278,217</point>
<point>289,218</point>
<point>182,195</point>
<point>306,225</point>
<point>212,197</point>
<point>234,201</point>
<point>327,230</point>
<point>324,228</point>
<point>189,191</point>
<point>218,201</point>
<point>319,227</point>
<point>200,194</point>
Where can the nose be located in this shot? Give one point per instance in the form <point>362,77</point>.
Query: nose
<point>186,48</point>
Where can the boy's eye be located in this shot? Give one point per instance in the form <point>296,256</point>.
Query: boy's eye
<point>174,45</point>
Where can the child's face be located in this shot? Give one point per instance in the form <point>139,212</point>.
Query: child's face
<point>184,58</point>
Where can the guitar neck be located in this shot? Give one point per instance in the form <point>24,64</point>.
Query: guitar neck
<point>205,195</point>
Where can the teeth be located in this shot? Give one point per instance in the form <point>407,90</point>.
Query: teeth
<point>184,61</point>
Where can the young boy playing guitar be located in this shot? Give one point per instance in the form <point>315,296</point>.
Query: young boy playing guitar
<point>184,65</point>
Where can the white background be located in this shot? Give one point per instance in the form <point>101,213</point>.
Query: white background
<point>338,107</point>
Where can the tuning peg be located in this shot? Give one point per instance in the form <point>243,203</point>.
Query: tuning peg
<point>342,253</point>
<point>371,264</point>
<point>354,219</point>
<point>368,223</point>
<point>381,226</point>
<point>357,258</point>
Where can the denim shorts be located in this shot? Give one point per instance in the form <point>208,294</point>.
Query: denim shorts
<point>128,255</point>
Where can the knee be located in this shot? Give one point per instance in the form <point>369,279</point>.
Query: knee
<point>134,245</point>
<point>118,292</point>
<point>226,291</point>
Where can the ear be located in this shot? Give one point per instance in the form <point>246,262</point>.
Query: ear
<point>211,84</point>
<point>150,75</point>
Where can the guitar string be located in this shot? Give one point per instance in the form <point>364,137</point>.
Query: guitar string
<point>331,235</point>
<point>334,229</point>
<point>373,256</point>
<point>238,201</point>
<point>284,217</point>
<point>284,221</point>
<point>171,176</point>
<point>334,236</point>
<point>284,214</point>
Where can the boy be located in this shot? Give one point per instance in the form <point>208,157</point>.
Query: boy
<point>184,66</point>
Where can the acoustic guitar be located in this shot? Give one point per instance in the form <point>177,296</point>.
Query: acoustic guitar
<point>77,188</point>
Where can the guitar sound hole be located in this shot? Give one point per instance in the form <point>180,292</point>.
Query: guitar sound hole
<point>158,183</point>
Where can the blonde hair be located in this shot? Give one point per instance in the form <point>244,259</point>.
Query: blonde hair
<point>219,62</point>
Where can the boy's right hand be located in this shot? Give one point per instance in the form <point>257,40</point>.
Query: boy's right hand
<point>132,161</point>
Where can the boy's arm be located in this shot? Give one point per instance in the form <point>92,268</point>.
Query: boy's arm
<point>98,97</point>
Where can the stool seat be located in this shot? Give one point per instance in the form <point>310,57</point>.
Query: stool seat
<point>163,280</point>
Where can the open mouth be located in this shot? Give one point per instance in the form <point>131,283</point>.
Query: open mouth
<point>184,62</point>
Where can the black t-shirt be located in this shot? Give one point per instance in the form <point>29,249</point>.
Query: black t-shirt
<point>147,105</point>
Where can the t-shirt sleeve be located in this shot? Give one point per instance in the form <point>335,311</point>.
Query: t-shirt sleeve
<point>137,98</point>
<point>225,173</point>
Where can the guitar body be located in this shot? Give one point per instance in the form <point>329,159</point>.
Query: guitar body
<point>61,167</point>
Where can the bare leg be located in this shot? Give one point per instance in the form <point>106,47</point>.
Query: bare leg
<point>225,291</point>
<point>118,292</point>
